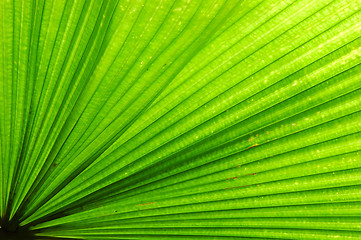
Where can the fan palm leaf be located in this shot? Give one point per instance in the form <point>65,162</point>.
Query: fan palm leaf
<point>184,119</point>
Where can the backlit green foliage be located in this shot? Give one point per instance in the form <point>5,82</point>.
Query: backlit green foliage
<point>184,119</point>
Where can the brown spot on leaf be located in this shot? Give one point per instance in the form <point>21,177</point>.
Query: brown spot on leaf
<point>254,145</point>
<point>143,204</point>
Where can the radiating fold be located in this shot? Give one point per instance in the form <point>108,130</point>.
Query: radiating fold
<point>231,119</point>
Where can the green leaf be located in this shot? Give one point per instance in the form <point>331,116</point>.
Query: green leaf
<point>219,119</point>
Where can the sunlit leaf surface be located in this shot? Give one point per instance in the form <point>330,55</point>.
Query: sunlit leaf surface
<point>184,119</point>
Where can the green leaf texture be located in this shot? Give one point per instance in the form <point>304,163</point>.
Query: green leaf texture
<point>184,119</point>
